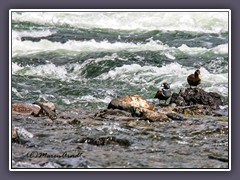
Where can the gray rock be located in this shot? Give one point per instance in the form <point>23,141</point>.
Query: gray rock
<point>193,96</point>
<point>21,135</point>
<point>176,117</point>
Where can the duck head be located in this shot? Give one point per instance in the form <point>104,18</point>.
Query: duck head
<point>197,73</point>
<point>165,85</point>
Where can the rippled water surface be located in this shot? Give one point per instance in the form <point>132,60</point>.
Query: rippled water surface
<point>82,60</point>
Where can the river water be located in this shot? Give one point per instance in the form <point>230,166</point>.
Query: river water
<point>82,60</point>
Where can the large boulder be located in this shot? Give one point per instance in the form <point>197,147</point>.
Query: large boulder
<point>134,103</point>
<point>138,107</point>
<point>194,96</point>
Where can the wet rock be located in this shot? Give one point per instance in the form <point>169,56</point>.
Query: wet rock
<point>194,110</point>
<point>154,116</point>
<point>28,165</point>
<point>176,117</point>
<point>25,108</point>
<point>193,96</point>
<point>134,104</point>
<point>21,135</point>
<point>65,117</point>
<point>114,114</point>
<point>105,141</point>
<point>74,122</point>
<point>78,162</point>
<point>221,112</point>
<point>138,107</point>
<point>36,109</point>
<point>219,157</point>
<point>15,137</point>
<point>48,109</point>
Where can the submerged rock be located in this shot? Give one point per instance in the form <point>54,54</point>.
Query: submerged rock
<point>101,141</point>
<point>135,104</point>
<point>193,96</point>
<point>194,110</point>
<point>176,117</point>
<point>74,122</point>
<point>220,157</point>
<point>114,114</point>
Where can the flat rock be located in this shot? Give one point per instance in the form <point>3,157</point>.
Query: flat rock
<point>154,116</point>
<point>25,108</point>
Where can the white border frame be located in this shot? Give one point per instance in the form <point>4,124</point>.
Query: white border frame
<point>118,10</point>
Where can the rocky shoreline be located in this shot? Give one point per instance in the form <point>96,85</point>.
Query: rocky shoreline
<point>190,108</point>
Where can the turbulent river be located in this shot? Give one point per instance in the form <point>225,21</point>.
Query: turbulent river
<point>82,60</point>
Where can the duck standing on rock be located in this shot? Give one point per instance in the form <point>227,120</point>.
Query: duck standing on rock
<point>164,93</point>
<point>193,79</point>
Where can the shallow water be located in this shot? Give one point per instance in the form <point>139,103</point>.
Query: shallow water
<point>122,142</point>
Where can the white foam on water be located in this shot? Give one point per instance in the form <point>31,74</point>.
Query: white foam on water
<point>110,127</point>
<point>66,101</point>
<point>22,48</point>
<point>48,70</point>
<point>173,73</point>
<point>71,47</point>
<point>170,56</point>
<point>78,68</point>
<point>16,68</point>
<point>216,82</point>
<point>209,22</point>
<point>192,50</point>
<point>218,65</point>
<point>90,98</point>
<point>220,49</point>
<point>32,33</point>
<point>15,91</point>
<point>138,70</point>
<point>133,74</point>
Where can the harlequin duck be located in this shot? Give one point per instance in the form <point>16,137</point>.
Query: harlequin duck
<point>164,93</point>
<point>193,79</point>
